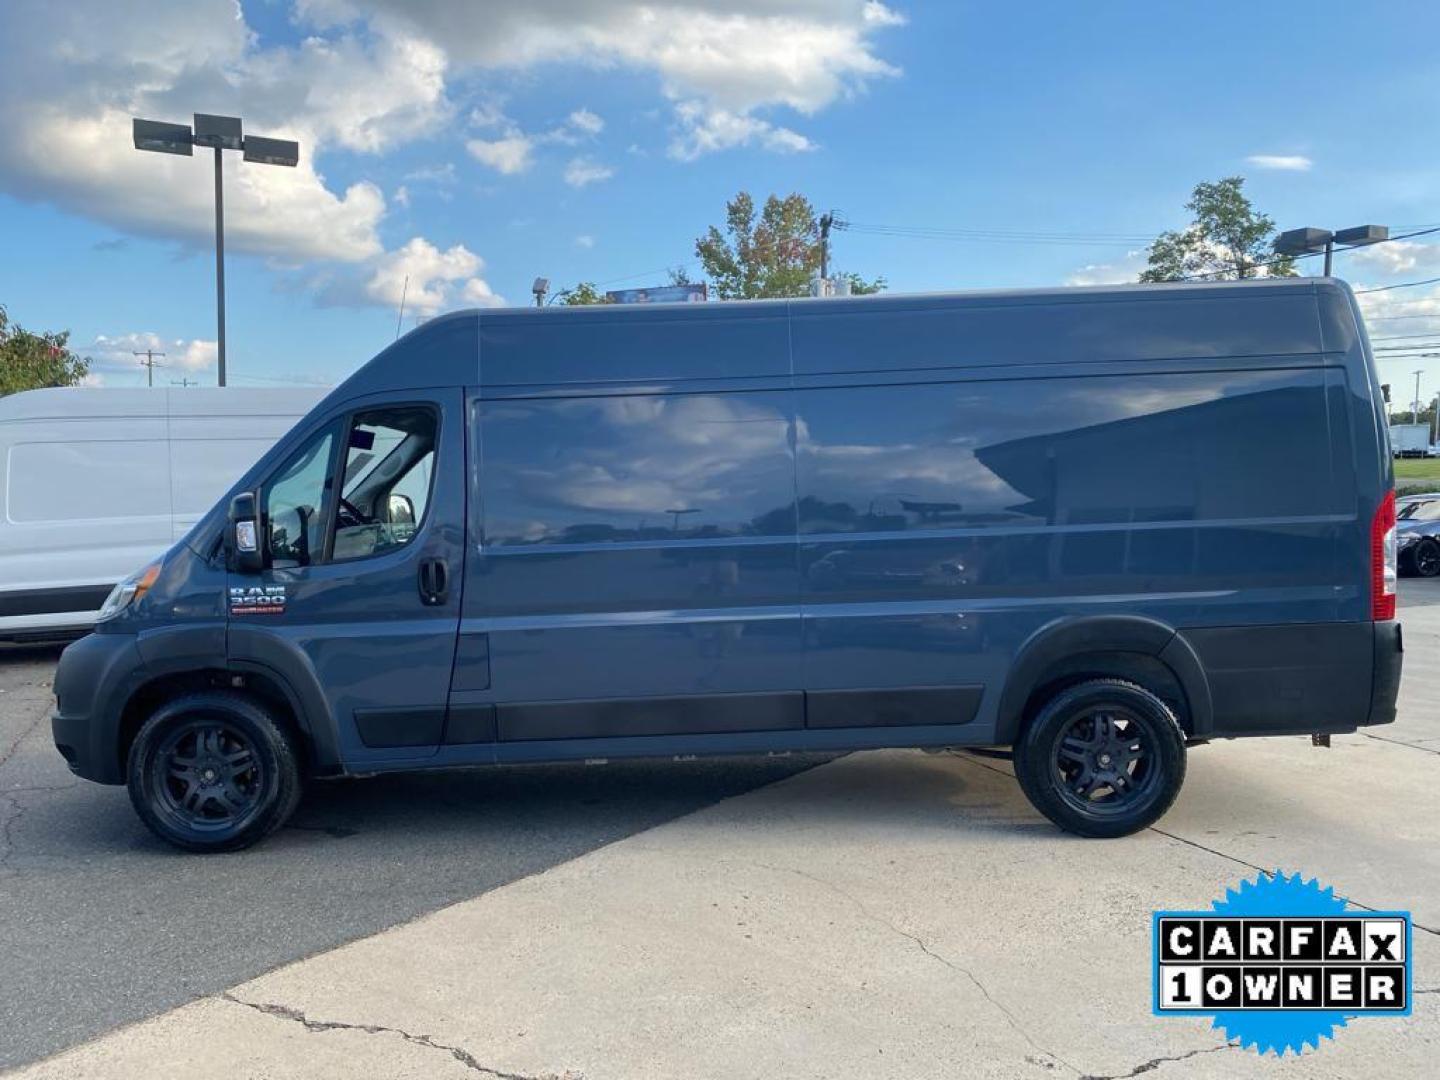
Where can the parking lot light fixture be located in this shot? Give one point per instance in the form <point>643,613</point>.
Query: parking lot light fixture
<point>220,133</point>
<point>1309,240</point>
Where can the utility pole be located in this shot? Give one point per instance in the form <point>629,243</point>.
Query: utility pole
<point>183,381</point>
<point>150,364</point>
<point>826,221</point>
<point>1415,409</point>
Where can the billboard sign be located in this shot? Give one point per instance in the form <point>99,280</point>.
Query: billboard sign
<point>660,294</point>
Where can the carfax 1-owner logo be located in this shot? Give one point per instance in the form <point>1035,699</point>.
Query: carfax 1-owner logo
<point>1279,963</point>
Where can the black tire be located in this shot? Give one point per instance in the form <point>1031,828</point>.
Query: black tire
<point>1425,557</point>
<point>213,771</point>
<point>1128,740</point>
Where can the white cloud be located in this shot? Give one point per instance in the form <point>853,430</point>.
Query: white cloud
<point>584,120</point>
<point>1116,273</point>
<point>477,293</point>
<point>424,277</point>
<point>1282,162</point>
<point>510,154</point>
<point>434,174</point>
<point>1396,257</point>
<point>585,240</point>
<point>733,57</point>
<point>704,130</point>
<point>76,73</point>
<point>401,196</point>
<point>583,170</point>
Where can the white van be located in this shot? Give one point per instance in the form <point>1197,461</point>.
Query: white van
<point>98,481</point>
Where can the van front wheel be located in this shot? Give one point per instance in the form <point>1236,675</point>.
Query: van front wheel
<point>212,771</point>
<point>1103,758</point>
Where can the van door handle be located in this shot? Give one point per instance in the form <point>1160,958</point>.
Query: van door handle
<point>434,582</point>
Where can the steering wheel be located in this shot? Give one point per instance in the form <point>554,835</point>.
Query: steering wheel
<point>350,511</point>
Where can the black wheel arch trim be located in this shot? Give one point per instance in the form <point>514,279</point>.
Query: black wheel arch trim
<point>252,649</point>
<point>1077,635</point>
<point>179,650</point>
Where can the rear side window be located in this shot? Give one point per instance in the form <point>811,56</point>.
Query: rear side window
<point>1072,451</point>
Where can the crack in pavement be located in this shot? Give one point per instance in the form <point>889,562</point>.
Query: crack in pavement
<point>1397,742</point>
<point>20,739</point>
<point>1271,873</point>
<point>1155,1063</point>
<point>461,1055</point>
<point>928,951</point>
<point>1268,871</point>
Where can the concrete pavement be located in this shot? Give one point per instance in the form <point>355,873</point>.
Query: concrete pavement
<point>102,925</point>
<point>888,914</point>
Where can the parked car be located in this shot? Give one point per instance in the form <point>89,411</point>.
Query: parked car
<point>1095,525</point>
<point>98,481</point>
<point>1417,535</point>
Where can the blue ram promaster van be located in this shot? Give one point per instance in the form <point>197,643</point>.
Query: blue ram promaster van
<point>1095,525</point>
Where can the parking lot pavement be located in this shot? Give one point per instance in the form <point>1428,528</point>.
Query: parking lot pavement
<point>102,925</point>
<point>887,914</point>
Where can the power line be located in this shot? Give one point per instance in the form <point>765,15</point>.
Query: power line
<point>1402,285</point>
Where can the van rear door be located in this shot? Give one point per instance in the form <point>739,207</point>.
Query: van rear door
<point>363,528</point>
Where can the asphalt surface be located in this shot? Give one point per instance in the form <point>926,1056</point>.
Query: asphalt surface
<point>102,925</point>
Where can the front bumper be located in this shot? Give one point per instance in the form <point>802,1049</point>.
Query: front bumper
<point>96,676</point>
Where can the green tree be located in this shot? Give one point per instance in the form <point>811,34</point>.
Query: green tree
<point>29,361</point>
<point>774,254</point>
<point>1229,239</point>
<point>584,293</point>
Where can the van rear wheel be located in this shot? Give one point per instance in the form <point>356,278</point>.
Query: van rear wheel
<point>213,771</point>
<point>1103,758</point>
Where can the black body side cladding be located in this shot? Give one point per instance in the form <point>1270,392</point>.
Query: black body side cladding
<point>467,724</point>
<point>694,714</point>
<point>1269,680</point>
<point>400,727</point>
<point>1389,658</point>
<point>907,707</point>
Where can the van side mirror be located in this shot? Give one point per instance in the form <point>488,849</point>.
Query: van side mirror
<point>401,510</point>
<point>242,536</point>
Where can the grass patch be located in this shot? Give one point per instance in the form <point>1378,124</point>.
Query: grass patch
<point>1417,469</point>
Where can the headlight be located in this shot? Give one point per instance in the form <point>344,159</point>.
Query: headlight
<point>128,591</point>
<point>1406,539</point>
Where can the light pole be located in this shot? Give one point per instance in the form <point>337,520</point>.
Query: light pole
<point>221,133</point>
<point>1306,241</point>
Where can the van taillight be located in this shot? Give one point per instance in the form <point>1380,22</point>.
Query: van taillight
<point>1382,560</point>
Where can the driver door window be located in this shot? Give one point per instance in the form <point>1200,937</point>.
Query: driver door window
<point>389,463</point>
<point>294,505</point>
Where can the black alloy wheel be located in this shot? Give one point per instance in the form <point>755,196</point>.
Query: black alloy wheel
<point>213,771</point>
<point>1103,758</point>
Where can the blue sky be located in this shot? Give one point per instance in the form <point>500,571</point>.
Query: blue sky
<point>475,146</point>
